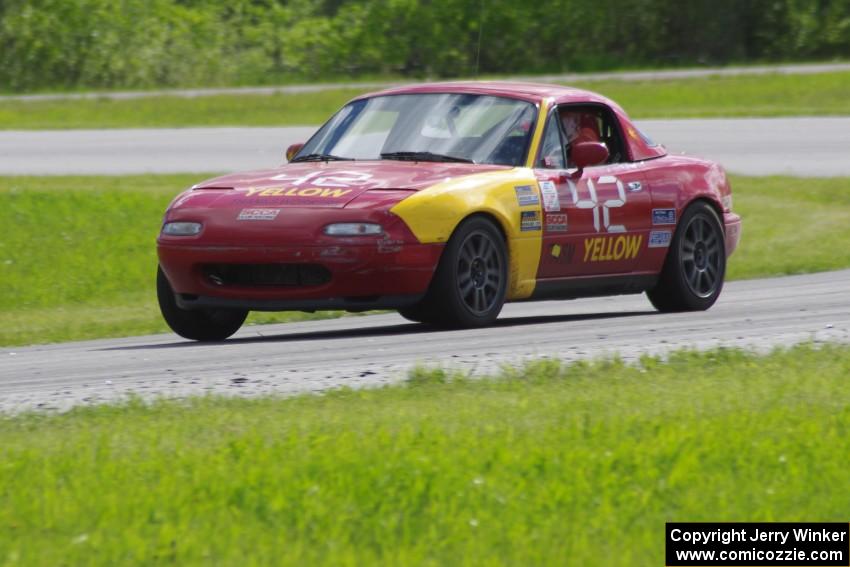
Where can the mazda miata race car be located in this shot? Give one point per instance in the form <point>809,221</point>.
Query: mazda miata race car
<point>444,201</point>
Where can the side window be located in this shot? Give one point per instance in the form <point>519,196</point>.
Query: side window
<point>610,133</point>
<point>552,149</point>
<point>593,123</point>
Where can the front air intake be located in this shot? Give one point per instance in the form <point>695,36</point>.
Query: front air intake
<point>266,275</point>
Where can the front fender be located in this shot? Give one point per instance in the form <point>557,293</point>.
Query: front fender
<point>433,214</point>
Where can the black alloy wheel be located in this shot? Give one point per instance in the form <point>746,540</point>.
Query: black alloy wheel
<point>469,286</point>
<point>701,256</point>
<point>480,272</point>
<point>693,272</point>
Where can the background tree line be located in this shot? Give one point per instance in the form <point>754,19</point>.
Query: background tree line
<point>145,43</point>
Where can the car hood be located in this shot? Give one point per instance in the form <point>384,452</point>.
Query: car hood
<point>331,184</point>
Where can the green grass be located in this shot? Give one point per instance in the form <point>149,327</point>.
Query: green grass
<point>548,465</point>
<point>762,95</point>
<point>791,226</point>
<point>723,97</point>
<point>78,258</point>
<point>165,111</point>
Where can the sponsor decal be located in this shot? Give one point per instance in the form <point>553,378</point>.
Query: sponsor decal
<point>612,248</point>
<point>331,252</point>
<point>297,192</point>
<point>389,246</point>
<point>258,214</point>
<point>529,220</point>
<point>563,252</point>
<point>660,238</point>
<point>551,203</point>
<point>526,195</point>
<point>556,223</point>
<point>663,216</point>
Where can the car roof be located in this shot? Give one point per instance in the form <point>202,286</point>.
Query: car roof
<point>639,147</point>
<point>533,92</point>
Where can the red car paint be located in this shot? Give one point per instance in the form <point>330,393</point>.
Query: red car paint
<point>309,196</point>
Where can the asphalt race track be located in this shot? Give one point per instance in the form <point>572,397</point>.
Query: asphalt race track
<point>806,147</point>
<point>374,350</point>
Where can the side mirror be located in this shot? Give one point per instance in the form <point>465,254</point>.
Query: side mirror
<point>292,150</point>
<point>586,154</point>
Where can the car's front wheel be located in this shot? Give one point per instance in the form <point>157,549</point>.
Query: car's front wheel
<point>418,313</point>
<point>200,324</point>
<point>693,272</point>
<point>469,286</point>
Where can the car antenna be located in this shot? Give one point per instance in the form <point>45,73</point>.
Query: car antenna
<point>480,30</point>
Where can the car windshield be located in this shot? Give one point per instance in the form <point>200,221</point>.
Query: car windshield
<point>427,127</point>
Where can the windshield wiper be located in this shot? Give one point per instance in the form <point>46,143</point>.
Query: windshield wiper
<point>321,157</point>
<point>424,156</point>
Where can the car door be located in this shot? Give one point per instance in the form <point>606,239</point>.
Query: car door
<point>596,221</point>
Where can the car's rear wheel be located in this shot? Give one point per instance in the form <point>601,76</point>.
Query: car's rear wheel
<point>693,272</point>
<point>200,324</point>
<point>469,286</point>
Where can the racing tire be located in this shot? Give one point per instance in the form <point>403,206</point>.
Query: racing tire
<point>471,280</point>
<point>418,313</point>
<point>693,273</point>
<point>205,325</point>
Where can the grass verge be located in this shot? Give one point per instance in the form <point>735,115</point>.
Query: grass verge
<point>791,226</point>
<point>761,95</point>
<point>79,260</point>
<point>548,465</point>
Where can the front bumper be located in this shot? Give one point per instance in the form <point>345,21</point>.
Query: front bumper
<point>732,226</point>
<point>378,274</point>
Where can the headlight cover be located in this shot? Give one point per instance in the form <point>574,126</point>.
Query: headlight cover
<point>353,229</point>
<point>182,228</point>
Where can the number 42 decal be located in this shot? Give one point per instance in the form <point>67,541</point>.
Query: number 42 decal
<point>593,202</point>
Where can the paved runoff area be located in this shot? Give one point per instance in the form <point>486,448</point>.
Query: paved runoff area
<point>805,147</point>
<point>380,349</point>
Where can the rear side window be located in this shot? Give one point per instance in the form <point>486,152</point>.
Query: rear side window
<point>646,139</point>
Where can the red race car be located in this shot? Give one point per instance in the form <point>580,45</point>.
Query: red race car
<point>444,201</point>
